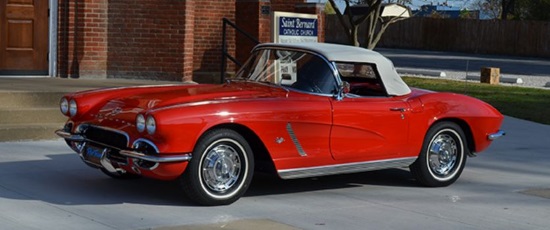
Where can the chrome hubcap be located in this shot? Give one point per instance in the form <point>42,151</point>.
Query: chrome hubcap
<point>221,168</point>
<point>443,155</point>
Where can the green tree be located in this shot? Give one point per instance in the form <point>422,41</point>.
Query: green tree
<point>532,10</point>
<point>515,9</point>
<point>507,7</point>
<point>466,14</point>
<point>329,9</point>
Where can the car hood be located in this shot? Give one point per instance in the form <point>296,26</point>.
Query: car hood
<point>135,100</point>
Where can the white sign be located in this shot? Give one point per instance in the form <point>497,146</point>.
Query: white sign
<point>293,27</point>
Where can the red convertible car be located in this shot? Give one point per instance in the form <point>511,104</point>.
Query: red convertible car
<point>297,110</point>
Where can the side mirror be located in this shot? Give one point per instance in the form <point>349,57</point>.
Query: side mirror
<point>346,87</point>
<point>343,90</point>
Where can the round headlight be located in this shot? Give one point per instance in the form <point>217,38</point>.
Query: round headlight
<point>140,123</point>
<point>151,125</point>
<point>64,106</point>
<point>72,108</point>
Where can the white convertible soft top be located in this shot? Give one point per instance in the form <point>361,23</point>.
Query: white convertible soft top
<point>343,53</point>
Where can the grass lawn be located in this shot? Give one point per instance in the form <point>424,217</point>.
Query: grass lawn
<point>520,102</point>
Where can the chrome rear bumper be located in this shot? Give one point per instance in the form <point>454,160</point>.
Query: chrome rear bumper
<point>494,136</point>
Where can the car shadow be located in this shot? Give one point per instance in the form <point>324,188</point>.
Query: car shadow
<point>269,184</point>
<point>63,179</point>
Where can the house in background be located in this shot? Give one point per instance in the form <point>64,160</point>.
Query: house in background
<point>138,39</point>
<point>444,11</point>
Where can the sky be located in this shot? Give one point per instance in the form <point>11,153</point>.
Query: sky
<point>416,3</point>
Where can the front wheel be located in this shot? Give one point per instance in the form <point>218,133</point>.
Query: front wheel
<point>221,168</point>
<point>442,157</point>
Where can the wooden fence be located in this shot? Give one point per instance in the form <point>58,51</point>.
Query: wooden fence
<point>522,38</point>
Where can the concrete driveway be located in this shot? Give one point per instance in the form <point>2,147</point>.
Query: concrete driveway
<point>43,185</point>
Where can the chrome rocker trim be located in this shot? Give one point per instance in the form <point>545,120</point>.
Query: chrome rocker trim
<point>494,136</point>
<point>127,153</point>
<point>345,168</point>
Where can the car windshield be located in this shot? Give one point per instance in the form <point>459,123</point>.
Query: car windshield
<point>291,69</point>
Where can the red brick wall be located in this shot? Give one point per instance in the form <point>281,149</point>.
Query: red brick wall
<point>208,38</point>
<point>285,5</point>
<point>188,41</point>
<point>250,19</point>
<point>121,39</point>
<point>166,40</point>
<point>82,41</point>
<point>145,39</point>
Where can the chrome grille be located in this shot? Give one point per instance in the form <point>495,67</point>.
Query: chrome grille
<point>112,139</point>
<point>105,137</point>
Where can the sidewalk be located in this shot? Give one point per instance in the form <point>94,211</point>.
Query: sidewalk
<point>50,84</point>
<point>29,106</point>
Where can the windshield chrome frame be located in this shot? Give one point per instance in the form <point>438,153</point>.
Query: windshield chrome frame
<point>331,65</point>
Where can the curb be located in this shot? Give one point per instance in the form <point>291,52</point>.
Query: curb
<point>512,80</point>
<point>432,73</point>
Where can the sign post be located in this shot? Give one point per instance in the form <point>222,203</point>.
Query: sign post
<point>293,27</point>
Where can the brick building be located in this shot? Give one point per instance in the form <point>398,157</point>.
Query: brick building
<point>142,39</point>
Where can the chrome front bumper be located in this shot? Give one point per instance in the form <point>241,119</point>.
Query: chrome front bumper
<point>68,136</point>
<point>494,136</point>
<point>127,153</point>
<point>157,159</point>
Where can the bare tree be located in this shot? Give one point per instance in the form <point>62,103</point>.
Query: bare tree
<point>492,8</point>
<point>376,24</point>
<point>507,8</point>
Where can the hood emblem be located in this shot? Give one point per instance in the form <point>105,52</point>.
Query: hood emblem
<point>116,111</point>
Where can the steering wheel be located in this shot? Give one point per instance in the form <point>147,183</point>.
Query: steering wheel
<point>306,85</point>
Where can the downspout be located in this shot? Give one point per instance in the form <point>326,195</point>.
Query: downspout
<point>52,56</point>
<point>64,62</point>
<point>75,67</point>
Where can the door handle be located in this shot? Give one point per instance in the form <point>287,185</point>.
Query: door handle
<point>398,109</point>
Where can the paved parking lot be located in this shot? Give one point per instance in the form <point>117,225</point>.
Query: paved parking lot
<point>43,185</point>
<point>449,61</point>
<point>533,72</point>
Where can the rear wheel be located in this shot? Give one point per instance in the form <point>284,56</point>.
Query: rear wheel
<point>221,168</point>
<point>442,157</point>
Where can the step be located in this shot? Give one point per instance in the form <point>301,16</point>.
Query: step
<point>29,132</point>
<point>31,115</point>
<point>29,99</point>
